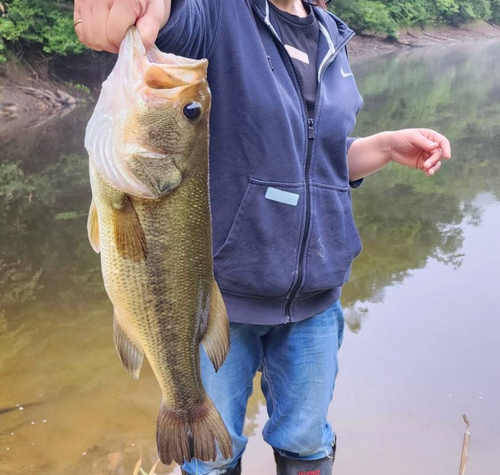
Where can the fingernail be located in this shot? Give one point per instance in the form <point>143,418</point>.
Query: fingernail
<point>431,172</point>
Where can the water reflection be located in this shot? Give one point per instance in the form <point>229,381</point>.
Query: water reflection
<point>81,411</point>
<point>404,217</point>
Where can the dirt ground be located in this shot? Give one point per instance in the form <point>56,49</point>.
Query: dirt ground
<point>26,101</point>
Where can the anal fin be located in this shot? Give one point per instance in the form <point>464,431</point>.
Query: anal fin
<point>131,355</point>
<point>216,338</point>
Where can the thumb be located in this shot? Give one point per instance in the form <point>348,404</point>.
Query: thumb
<point>424,143</point>
<point>150,23</point>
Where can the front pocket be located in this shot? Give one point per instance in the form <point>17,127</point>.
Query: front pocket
<point>259,256</point>
<point>334,240</point>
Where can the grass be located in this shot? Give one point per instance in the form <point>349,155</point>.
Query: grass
<point>139,470</point>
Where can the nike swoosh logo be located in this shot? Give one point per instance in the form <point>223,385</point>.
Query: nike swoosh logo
<point>344,74</point>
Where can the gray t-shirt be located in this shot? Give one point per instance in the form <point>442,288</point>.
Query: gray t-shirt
<point>301,37</point>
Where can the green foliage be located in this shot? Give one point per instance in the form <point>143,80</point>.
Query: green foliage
<point>366,15</point>
<point>463,10</point>
<point>45,27</point>
<point>79,87</point>
<point>39,26</point>
<point>495,11</point>
<point>2,52</point>
<point>386,16</point>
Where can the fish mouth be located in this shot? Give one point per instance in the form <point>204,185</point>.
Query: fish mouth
<point>169,71</point>
<point>172,77</point>
<point>172,72</point>
<point>175,83</point>
<point>159,75</point>
<point>193,70</point>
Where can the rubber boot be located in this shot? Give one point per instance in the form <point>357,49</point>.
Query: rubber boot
<point>232,471</point>
<point>288,466</point>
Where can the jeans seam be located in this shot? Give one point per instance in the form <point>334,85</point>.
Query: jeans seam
<point>268,381</point>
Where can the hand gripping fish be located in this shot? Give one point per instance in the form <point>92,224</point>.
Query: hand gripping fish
<point>150,220</point>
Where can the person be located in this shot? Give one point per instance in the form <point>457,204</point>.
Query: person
<point>282,163</point>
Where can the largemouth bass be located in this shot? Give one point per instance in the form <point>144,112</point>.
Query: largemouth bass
<point>150,220</point>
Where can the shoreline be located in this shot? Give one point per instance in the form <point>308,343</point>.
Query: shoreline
<point>369,46</point>
<point>27,102</point>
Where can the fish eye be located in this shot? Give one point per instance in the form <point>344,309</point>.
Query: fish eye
<point>192,111</point>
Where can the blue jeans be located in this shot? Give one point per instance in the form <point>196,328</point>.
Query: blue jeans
<point>299,366</point>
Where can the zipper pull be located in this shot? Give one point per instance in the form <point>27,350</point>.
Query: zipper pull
<point>310,125</point>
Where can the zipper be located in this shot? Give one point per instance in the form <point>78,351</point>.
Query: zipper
<point>270,62</point>
<point>311,135</point>
<point>300,272</point>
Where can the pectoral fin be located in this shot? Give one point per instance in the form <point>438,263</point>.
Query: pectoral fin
<point>129,235</point>
<point>93,228</point>
<point>216,338</point>
<point>131,355</point>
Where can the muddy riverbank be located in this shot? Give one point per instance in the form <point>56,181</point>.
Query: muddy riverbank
<point>369,46</point>
<point>26,101</point>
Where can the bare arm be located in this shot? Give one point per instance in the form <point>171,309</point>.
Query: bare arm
<point>416,148</point>
<point>105,22</point>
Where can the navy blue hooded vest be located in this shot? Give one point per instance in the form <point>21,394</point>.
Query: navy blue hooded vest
<point>284,235</point>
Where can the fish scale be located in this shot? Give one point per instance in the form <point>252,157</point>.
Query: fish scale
<point>150,220</point>
<point>167,305</point>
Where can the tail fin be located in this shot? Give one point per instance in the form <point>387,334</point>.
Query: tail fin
<point>182,436</point>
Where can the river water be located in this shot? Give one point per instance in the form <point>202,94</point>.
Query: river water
<point>422,306</point>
